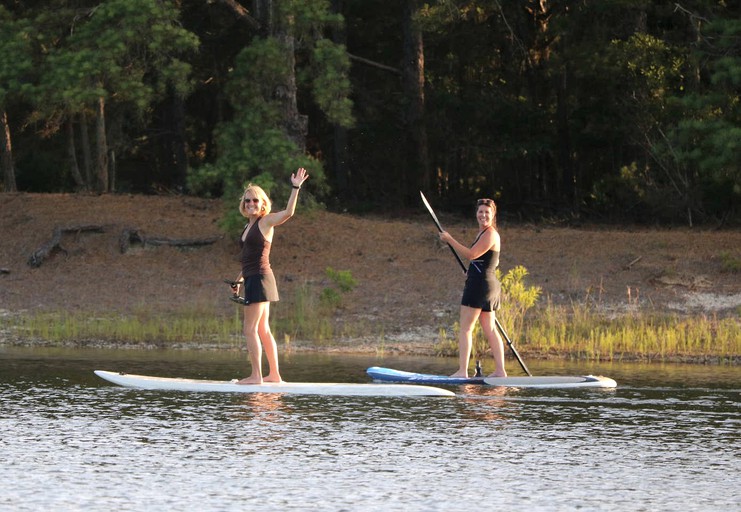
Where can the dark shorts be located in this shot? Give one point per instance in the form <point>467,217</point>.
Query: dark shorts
<point>480,294</point>
<point>260,288</point>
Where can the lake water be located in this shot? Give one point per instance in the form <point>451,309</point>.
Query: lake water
<point>668,438</point>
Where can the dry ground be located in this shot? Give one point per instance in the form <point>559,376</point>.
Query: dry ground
<point>408,283</point>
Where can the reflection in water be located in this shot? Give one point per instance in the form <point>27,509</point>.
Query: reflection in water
<point>484,403</point>
<point>263,406</point>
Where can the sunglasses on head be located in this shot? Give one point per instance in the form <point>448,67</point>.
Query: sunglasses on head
<point>487,202</point>
<point>254,200</point>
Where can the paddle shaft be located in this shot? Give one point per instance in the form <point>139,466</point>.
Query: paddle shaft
<point>440,229</point>
<point>463,267</point>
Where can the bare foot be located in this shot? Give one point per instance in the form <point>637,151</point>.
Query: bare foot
<point>270,378</point>
<point>498,374</point>
<point>460,374</point>
<point>250,380</point>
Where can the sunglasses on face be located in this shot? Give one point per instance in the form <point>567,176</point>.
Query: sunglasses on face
<point>254,200</point>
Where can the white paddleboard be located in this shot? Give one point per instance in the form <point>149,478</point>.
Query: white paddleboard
<point>298,388</point>
<point>585,381</point>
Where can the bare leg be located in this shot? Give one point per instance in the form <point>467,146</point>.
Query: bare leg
<point>271,348</point>
<point>488,325</point>
<point>252,315</point>
<point>465,339</point>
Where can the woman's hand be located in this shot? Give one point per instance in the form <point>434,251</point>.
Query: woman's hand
<point>445,237</point>
<point>298,178</point>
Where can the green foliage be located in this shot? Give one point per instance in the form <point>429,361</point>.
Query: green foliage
<point>342,282</point>
<point>730,263</point>
<point>331,86</point>
<point>253,146</point>
<point>342,279</point>
<point>704,144</point>
<point>545,107</point>
<point>125,50</point>
<point>257,141</point>
<point>15,55</point>
<point>312,314</point>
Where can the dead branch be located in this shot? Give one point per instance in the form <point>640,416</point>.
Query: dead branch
<point>134,236</point>
<point>241,13</point>
<point>630,265</point>
<point>378,65</point>
<point>53,245</point>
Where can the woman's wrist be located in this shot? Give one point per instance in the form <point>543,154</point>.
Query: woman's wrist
<point>295,187</point>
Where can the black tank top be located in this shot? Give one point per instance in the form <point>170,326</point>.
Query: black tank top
<point>255,252</point>
<point>486,264</point>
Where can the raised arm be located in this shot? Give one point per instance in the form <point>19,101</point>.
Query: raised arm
<point>278,218</point>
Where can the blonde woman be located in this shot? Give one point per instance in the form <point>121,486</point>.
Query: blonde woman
<point>481,293</point>
<point>257,277</point>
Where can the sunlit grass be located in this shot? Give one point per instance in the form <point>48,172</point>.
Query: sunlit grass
<point>582,332</point>
<point>141,327</point>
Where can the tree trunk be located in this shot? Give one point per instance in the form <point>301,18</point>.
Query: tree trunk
<point>567,179</point>
<point>413,77</point>
<point>7,155</point>
<point>295,125</point>
<point>339,147</point>
<point>72,155</point>
<point>101,144</point>
<point>177,143</point>
<point>112,170</point>
<point>87,160</point>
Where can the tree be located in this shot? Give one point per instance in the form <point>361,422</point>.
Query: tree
<point>123,52</point>
<point>288,56</point>
<point>413,78</point>
<point>706,142</point>
<point>15,64</point>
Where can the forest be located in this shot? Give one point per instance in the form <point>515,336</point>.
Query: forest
<point>576,110</point>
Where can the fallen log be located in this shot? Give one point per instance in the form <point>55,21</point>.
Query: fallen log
<point>134,236</point>
<point>53,245</point>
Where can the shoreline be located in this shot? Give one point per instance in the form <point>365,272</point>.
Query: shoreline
<point>356,346</point>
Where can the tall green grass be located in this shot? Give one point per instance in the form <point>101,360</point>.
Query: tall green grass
<point>141,327</point>
<point>585,331</point>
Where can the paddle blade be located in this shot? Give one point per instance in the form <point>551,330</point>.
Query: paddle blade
<point>431,211</point>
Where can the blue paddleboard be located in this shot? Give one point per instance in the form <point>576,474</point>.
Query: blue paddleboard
<point>553,381</point>
<point>379,374</point>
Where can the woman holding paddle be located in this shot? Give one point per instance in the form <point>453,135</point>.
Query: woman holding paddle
<point>482,290</point>
<point>257,276</point>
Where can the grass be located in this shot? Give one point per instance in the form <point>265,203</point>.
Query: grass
<point>138,328</point>
<point>730,263</point>
<point>575,332</point>
<point>583,332</point>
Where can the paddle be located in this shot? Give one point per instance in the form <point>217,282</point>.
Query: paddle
<point>460,262</point>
